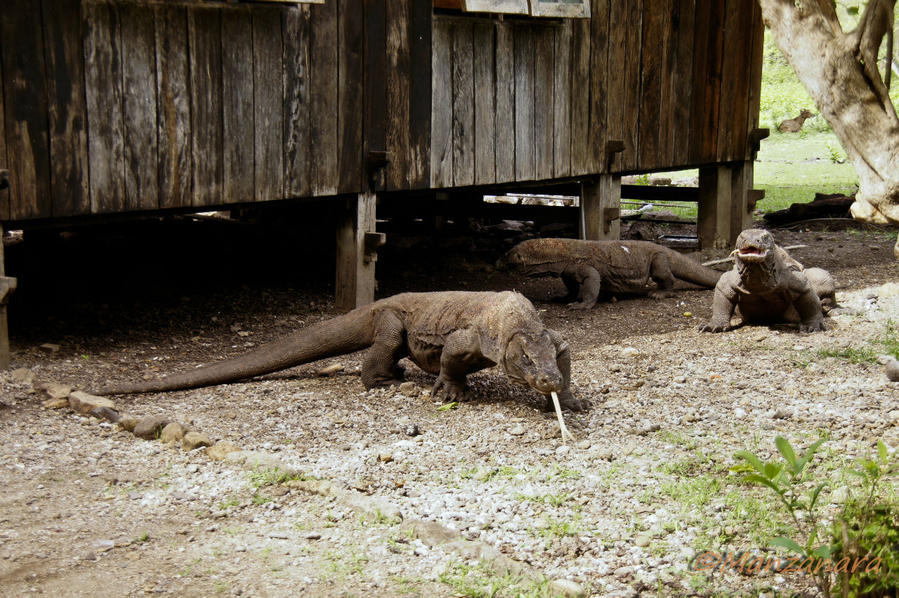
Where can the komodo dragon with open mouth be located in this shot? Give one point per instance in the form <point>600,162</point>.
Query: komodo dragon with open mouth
<point>769,286</point>
<point>450,334</point>
<point>591,268</point>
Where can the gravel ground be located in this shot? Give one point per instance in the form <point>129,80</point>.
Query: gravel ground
<point>366,475</point>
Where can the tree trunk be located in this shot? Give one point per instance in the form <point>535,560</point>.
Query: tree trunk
<point>836,69</point>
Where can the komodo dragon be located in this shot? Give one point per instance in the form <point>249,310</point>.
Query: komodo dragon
<point>589,268</point>
<point>451,334</point>
<point>769,286</point>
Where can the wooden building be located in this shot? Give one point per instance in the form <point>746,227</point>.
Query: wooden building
<point>128,107</point>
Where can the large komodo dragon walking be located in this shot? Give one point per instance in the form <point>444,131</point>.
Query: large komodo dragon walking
<point>591,268</point>
<point>450,334</point>
<point>768,286</point>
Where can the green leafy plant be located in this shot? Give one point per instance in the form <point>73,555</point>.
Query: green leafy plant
<point>866,533</point>
<point>853,555</point>
<point>836,154</point>
<point>789,479</point>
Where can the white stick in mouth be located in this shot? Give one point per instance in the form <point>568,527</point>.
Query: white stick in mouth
<point>566,435</point>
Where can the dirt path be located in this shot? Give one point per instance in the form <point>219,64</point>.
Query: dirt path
<point>622,512</point>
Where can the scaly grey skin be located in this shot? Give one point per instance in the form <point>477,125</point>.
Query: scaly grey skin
<point>450,334</point>
<point>591,268</point>
<point>768,286</point>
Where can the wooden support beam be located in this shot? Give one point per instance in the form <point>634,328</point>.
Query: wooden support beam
<point>740,212</point>
<point>357,243</point>
<point>724,203</point>
<point>713,220</point>
<point>601,208</point>
<point>7,286</point>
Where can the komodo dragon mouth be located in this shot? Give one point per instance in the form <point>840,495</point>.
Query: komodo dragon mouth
<point>752,253</point>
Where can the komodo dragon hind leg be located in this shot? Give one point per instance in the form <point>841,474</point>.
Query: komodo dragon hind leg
<point>380,366</point>
<point>572,287</point>
<point>588,279</point>
<point>563,361</point>
<point>660,272</point>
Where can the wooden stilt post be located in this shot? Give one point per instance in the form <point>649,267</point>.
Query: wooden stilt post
<point>7,286</point>
<point>741,212</point>
<point>600,213</point>
<point>715,207</point>
<point>357,245</point>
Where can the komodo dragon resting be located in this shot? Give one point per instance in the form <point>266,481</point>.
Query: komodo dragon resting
<point>450,334</point>
<point>769,286</point>
<point>589,268</point>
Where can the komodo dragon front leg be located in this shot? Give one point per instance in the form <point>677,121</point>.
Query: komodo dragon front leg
<point>380,366</point>
<point>461,355</point>
<point>582,281</point>
<point>563,361</point>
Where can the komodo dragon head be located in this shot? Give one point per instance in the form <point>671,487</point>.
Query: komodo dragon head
<point>755,246</point>
<point>756,257</point>
<point>534,257</point>
<point>530,359</point>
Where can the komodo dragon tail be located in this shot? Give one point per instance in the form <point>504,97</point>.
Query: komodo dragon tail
<point>686,269</point>
<point>337,336</point>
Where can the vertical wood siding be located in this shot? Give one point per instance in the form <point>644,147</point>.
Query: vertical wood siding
<point>109,106</point>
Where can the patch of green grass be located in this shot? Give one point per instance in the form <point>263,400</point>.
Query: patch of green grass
<point>265,476</point>
<point>481,581</point>
<point>889,341</point>
<point>562,473</point>
<point>258,499</point>
<point>852,354</point>
<point>483,474</point>
<point>560,528</point>
<point>694,491</point>
<point>554,500</point>
<point>224,505</point>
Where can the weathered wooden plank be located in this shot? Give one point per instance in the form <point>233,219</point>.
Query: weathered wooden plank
<point>375,92</point>
<point>350,92</point>
<point>599,75</point>
<point>138,29</point>
<point>67,109</point>
<point>616,76</point>
<point>484,104</point>
<point>580,96</point>
<point>323,129</point>
<point>205,42</point>
<point>267,105</point>
<point>238,107</point>
<point>441,116</point>
<point>420,94</point>
<point>730,63</point>
<point>740,118</point>
<point>668,65</point>
<point>525,152</point>
<point>4,156</point>
<point>398,94</point>
<point>103,81</point>
<point>297,102</point>
<point>651,83</point>
<point>505,103</point>
<point>544,61</point>
<point>710,80</point>
<point>173,101</point>
<point>755,74</point>
<point>562,102</point>
<point>633,48</point>
<point>463,104</point>
<point>682,21</point>
<point>701,59</point>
